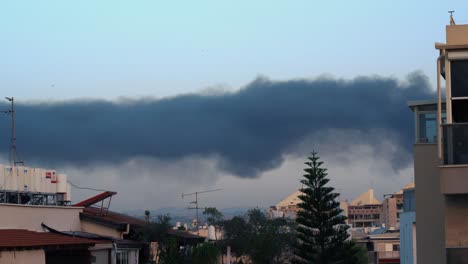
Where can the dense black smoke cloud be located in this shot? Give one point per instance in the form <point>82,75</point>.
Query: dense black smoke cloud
<point>249,130</point>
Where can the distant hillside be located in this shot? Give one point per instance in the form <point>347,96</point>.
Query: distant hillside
<point>183,215</point>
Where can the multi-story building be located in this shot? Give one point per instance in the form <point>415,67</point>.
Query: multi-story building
<point>392,207</point>
<point>441,162</point>
<point>288,207</point>
<point>365,210</point>
<point>408,228</point>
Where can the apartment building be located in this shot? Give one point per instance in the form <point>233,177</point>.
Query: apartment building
<point>392,207</point>
<point>441,162</point>
<point>288,207</point>
<point>408,228</point>
<point>365,210</point>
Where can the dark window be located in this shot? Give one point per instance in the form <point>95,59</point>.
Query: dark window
<point>459,84</point>
<point>459,78</point>
<point>460,111</point>
<point>370,246</point>
<point>396,247</point>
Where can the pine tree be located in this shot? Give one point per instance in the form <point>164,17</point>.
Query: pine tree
<point>321,231</point>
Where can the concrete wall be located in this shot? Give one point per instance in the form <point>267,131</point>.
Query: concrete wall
<point>453,179</point>
<point>457,34</point>
<point>456,219</point>
<point>430,235</point>
<point>389,212</point>
<point>22,257</point>
<point>407,237</point>
<point>99,229</point>
<point>30,217</point>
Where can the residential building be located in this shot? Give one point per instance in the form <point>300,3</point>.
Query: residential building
<point>383,245</point>
<point>392,207</point>
<point>365,210</point>
<point>408,228</point>
<point>38,231</point>
<point>429,200</point>
<point>23,246</point>
<point>288,207</point>
<point>441,162</point>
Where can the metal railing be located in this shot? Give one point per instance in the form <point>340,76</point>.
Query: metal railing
<point>455,143</point>
<point>388,254</point>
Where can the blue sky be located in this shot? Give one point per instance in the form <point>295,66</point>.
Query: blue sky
<point>53,50</point>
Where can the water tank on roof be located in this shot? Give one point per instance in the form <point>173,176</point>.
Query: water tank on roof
<point>11,179</point>
<point>61,183</point>
<point>2,178</point>
<point>50,187</point>
<point>36,179</point>
<point>68,194</point>
<point>24,181</point>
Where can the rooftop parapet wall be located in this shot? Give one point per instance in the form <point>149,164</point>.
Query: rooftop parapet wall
<point>457,34</point>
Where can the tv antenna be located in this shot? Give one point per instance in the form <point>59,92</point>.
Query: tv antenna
<point>196,204</point>
<point>13,130</point>
<point>452,22</point>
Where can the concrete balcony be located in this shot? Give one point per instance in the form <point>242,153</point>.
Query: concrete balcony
<point>454,170</point>
<point>454,179</point>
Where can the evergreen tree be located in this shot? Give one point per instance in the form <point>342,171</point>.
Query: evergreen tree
<point>321,230</point>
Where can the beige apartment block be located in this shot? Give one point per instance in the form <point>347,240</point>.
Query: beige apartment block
<point>365,210</point>
<point>441,157</point>
<point>392,207</point>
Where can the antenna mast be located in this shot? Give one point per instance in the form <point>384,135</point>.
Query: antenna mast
<point>196,204</point>
<point>452,21</point>
<point>13,130</point>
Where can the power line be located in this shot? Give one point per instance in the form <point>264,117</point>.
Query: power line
<point>86,188</point>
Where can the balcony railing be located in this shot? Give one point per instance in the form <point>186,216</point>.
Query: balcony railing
<point>455,143</point>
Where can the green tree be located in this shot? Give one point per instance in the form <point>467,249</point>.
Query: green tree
<point>321,231</point>
<point>235,234</point>
<point>263,240</point>
<point>214,217</point>
<point>354,254</point>
<point>205,253</point>
<point>156,231</point>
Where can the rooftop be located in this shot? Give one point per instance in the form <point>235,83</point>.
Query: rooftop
<point>292,199</point>
<point>366,198</point>
<point>20,238</point>
<point>110,218</point>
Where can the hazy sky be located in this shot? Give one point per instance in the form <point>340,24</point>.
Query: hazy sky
<point>59,50</point>
<point>107,49</point>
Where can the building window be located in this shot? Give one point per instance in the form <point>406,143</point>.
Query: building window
<point>122,257</point>
<point>428,128</point>
<point>396,247</point>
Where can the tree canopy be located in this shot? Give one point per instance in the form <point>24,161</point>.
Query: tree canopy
<point>322,230</point>
<point>262,239</point>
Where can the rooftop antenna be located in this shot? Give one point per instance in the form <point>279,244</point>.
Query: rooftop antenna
<point>196,204</point>
<point>13,130</point>
<point>452,22</point>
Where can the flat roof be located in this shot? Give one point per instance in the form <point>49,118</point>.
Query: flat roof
<point>440,46</point>
<point>422,102</point>
<point>427,103</point>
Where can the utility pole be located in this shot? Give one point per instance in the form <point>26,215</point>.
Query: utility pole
<point>196,204</point>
